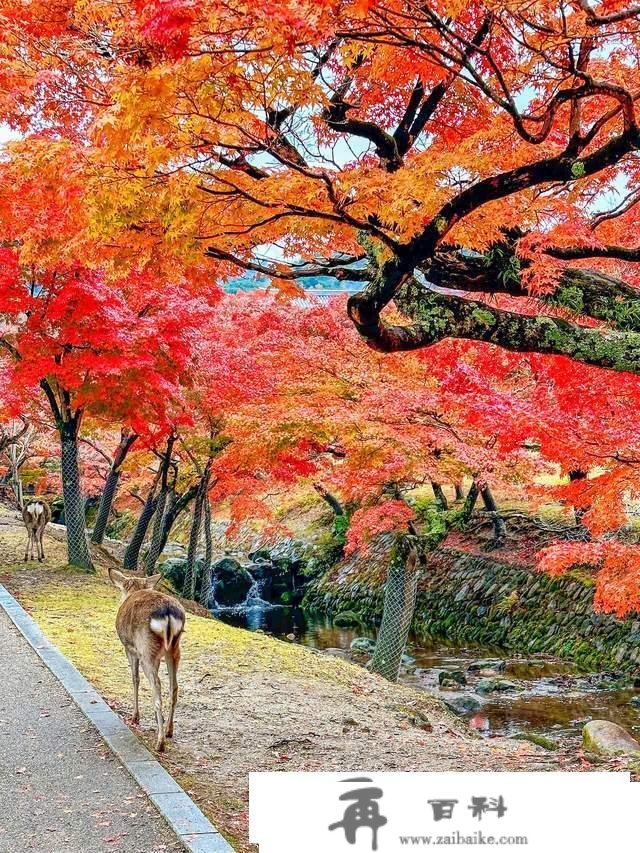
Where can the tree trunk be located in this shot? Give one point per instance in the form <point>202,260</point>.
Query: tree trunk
<point>156,545</point>
<point>132,553</point>
<point>190,575</point>
<point>15,479</point>
<point>400,596</point>
<point>499,526</point>
<point>459,491</point>
<point>176,505</point>
<point>205,588</point>
<point>106,502</point>
<point>399,606</point>
<point>77,549</point>
<point>111,485</point>
<point>579,512</point>
<point>329,498</point>
<point>439,494</point>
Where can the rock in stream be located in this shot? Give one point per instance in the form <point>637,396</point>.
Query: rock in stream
<point>609,739</point>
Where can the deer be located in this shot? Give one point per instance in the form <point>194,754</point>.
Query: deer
<point>36,515</point>
<point>150,625</point>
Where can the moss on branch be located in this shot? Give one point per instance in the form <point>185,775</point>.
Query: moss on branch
<point>437,316</point>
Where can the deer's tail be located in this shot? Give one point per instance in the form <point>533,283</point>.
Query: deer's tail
<point>167,621</point>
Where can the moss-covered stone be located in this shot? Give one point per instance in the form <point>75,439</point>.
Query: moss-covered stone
<point>462,597</point>
<point>347,619</point>
<point>539,740</point>
<point>495,685</point>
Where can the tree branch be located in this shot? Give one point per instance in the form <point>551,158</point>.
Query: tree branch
<point>584,292</point>
<point>595,20</point>
<point>438,316</point>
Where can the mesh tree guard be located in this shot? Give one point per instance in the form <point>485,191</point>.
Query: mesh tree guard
<point>399,606</point>
<point>77,548</point>
<point>175,505</point>
<point>156,544</point>
<point>402,583</point>
<point>205,587</point>
<point>132,553</point>
<point>194,537</point>
<point>165,496</point>
<point>104,509</point>
<point>111,485</point>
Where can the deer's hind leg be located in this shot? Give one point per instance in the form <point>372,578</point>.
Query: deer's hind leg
<point>151,671</point>
<point>172,658</point>
<point>134,664</point>
<point>28,554</point>
<point>40,544</point>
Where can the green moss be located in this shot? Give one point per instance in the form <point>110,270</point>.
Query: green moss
<point>469,599</point>
<point>570,297</point>
<point>121,525</point>
<point>484,317</point>
<point>539,740</point>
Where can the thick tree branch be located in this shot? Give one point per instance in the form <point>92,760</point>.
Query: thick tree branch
<point>553,169</point>
<point>575,253</point>
<point>584,292</point>
<point>438,316</point>
<point>419,111</point>
<point>338,268</point>
<point>595,20</point>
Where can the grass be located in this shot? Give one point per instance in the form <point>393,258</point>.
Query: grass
<point>77,612</point>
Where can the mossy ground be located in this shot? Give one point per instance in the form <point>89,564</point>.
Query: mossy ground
<point>248,702</point>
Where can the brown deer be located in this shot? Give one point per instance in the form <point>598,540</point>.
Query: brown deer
<point>150,625</point>
<point>36,515</point>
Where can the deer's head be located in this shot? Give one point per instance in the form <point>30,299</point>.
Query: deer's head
<point>128,584</point>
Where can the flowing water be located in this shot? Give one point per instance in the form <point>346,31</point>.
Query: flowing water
<point>549,697</point>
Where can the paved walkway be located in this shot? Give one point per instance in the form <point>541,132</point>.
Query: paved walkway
<point>61,789</point>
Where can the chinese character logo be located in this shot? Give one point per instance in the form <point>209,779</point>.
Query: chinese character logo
<point>364,811</point>
<point>482,805</point>
<point>442,809</point>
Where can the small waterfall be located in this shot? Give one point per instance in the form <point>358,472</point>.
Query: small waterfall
<point>254,602</point>
<point>254,596</point>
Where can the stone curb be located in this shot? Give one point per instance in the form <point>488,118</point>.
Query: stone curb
<point>195,831</point>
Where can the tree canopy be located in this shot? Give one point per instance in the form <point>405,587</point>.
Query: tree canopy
<point>486,148</point>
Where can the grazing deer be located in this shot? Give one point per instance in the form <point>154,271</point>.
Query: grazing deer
<point>36,515</point>
<point>150,625</point>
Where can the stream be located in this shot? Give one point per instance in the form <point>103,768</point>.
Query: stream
<point>547,697</point>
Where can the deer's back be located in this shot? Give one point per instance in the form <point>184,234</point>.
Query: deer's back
<point>36,514</point>
<point>133,621</point>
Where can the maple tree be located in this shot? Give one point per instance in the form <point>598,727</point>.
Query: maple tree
<point>365,429</point>
<point>372,427</point>
<point>399,135</point>
<point>189,464</point>
<point>473,167</point>
<point>111,349</point>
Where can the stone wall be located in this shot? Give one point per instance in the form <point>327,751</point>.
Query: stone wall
<point>467,599</point>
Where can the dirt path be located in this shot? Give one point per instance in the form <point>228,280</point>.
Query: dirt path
<point>250,702</point>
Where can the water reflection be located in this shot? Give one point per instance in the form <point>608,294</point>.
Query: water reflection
<point>551,697</point>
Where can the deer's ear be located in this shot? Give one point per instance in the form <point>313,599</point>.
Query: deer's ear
<point>152,580</point>
<point>117,578</point>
